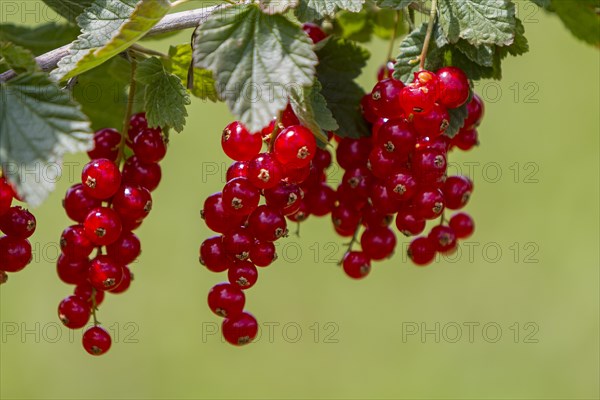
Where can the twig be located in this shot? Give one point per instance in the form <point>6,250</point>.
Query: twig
<point>432,17</point>
<point>352,242</point>
<point>130,100</point>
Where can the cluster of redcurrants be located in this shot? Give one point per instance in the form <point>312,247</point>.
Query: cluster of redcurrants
<point>17,224</point>
<point>107,206</point>
<point>248,230</point>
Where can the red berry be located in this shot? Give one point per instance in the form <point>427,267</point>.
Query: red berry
<point>240,329</point>
<point>216,217</point>
<point>466,139</point>
<point>15,254</point>
<point>351,198</point>
<point>419,97</point>
<point>266,132</point>
<point>242,274</point>
<point>476,110</point>
<point>398,138</point>
<point>386,71</point>
<point>457,191</point>
<point>240,197</point>
<point>126,249</point>
<point>320,200</point>
<point>267,224</point>
<point>314,32</point>
<point>17,222</point>
<point>428,203</point>
<point>137,123</point>
<point>212,254</point>
<point>383,163</point>
<point>463,225</point>
<point>237,243</point>
<point>429,166</point>
<point>6,195</point>
<point>366,106</point>
<point>239,169</point>
<point>106,144</point>
<point>401,186</point>
<point>356,264</point>
<point>102,226</point>
<point>226,300</point>
<point>385,98</point>
<point>301,215</point>
<point>295,147</point>
<point>443,238</point>
<point>433,123</point>
<point>105,273</point>
<point>288,117</point>
<point>96,340</point>
<point>72,271</point>
<point>101,178</point>
<point>75,244</point>
<point>136,172</point>
<point>74,312</point>
<point>150,146</point>
<point>409,224</point>
<point>345,219</point>
<point>125,282</point>
<point>421,251</point>
<point>372,218</point>
<point>353,152</point>
<point>378,243</point>
<point>239,144</point>
<point>453,87</point>
<point>263,254</point>
<point>264,171</point>
<point>85,290</point>
<point>440,144</point>
<point>382,200</point>
<point>358,181</point>
<point>132,202</point>
<point>301,175</point>
<point>78,203</point>
<point>285,197</point>
<point>322,159</point>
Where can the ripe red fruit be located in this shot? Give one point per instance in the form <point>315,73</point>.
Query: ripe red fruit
<point>366,107</point>
<point>301,215</point>
<point>345,219</point>
<point>353,152</point>
<point>132,202</point>
<point>240,197</point>
<point>85,290</point>
<point>102,226</point>
<point>320,200</point>
<point>314,32</point>
<point>385,98</point>
<point>440,144</point>
<point>96,341</point>
<point>386,71</point>
<point>428,203</point>
<point>288,117</point>
<point>6,195</point>
<point>372,218</point>
<point>15,254</point>
<point>126,249</point>
<point>72,271</point>
<point>238,143</point>
<point>433,123</point>
<point>301,175</point>
<point>378,243</point>
<point>236,170</point>
<point>383,163</point>
<point>106,144</point>
<point>429,166</point>
<point>78,204</point>
<point>463,225</point>
<point>125,282</point>
<point>453,87</point>
<point>322,159</point>
<point>242,274</point>
<point>101,178</point>
<point>421,251</point>
<point>137,123</point>
<point>137,172</point>
<point>262,254</point>
<point>237,243</point>
<point>17,222</point>
<point>457,191</point>
<point>295,147</point>
<point>401,186</point>
<point>376,127</point>
<point>409,224</point>
<point>212,254</point>
<point>419,97</point>
<point>240,329</point>
<point>267,224</point>
<point>264,171</point>
<point>75,244</point>
<point>74,312</point>
<point>443,238</point>
<point>382,200</point>
<point>285,197</point>
<point>105,273</point>
<point>150,146</point>
<point>357,182</point>
<point>356,264</point>
<point>466,139</point>
<point>476,111</point>
<point>398,138</point>
<point>226,300</point>
<point>216,217</point>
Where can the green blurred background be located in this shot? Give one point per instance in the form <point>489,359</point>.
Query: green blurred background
<point>522,293</point>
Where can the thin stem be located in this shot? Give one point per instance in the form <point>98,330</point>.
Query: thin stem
<point>94,306</point>
<point>432,17</point>
<point>352,242</point>
<point>144,50</point>
<point>130,101</point>
<point>392,42</point>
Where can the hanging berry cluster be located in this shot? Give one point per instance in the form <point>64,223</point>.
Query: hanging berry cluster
<point>107,206</point>
<point>16,226</point>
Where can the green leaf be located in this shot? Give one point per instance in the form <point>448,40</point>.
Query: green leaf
<point>474,70</point>
<point>395,4</point>
<point>165,97</point>
<point>109,27</point>
<point>180,58</point>
<point>542,3</point>
<point>581,17</point>
<point>39,123</point>
<point>41,38</point>
<point>354,26</point>
<point>312,10</point>
<point>277,6</point>
<point>70,9</point>
<point>17,58</point>
<point>482,55</point>
<point>407,63</point>
<point>457,120</point>
<point>478,21</point>
<point>520,46</point>
<point>310,107</point>
<point>255,58</point>
<point>340,61</point>
<point>384,22</point>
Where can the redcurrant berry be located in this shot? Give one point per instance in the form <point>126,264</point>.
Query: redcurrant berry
<point>289,118</point>
<point>216,217</point>
<point>372,218</point>
<point>106,144</point>
<point>476,110</point>
<point>358,181</point>
<point>237,243</point>
<point>74,312</point>
<point>264,171</point>
<point>102,226</point>
<point>132,202</point>
<point>125,282</point>
<point>378,243</point>
<point>385,98</point>
<point>443,238</point>
<point>381,199</point>
<point>466,139</point>
<point>96,341</point>
<point>463,225</point>
<point>72,271</point>
<point>314,32</point>
<point>105,273</point>
<point>267,224</point>
<point>238,143</point>
<point>421,251</point>
<point>212,254</point>
<point>301,175</point>
<point>320,200</point>
<point>366,107</point>
<point>242,274</point>
<point>6,195</point>
<point>78,203</point>
<point>356,264</point>
<point>428,203</point>
<point>383,163</point>
<point>75,244</point>
<point>136,172</point>
<point>150,146</point>
<point>401,186</point>
<point>226,300</point>
<point>240,329</point>
<point>433,123</point>
<point>137,123</point>
<point>322,159</point>
<point>285,197</point>
<point>386,71</point>
<point>453,87</point>
<point>457,191</point>
<point>409,224</point>
<point>240,197</point>
<point>353,152</point>
<point>15,254</point>
<point>398,138</point>
<point>263,254</point>
<point>239,169</point>
<point>101,178</point>
<point>345,219</point>
<point>85,291</point>
<point>429,166</point>
<point>17,222</point>
<point>126,249</point>
<point>295,147</point>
